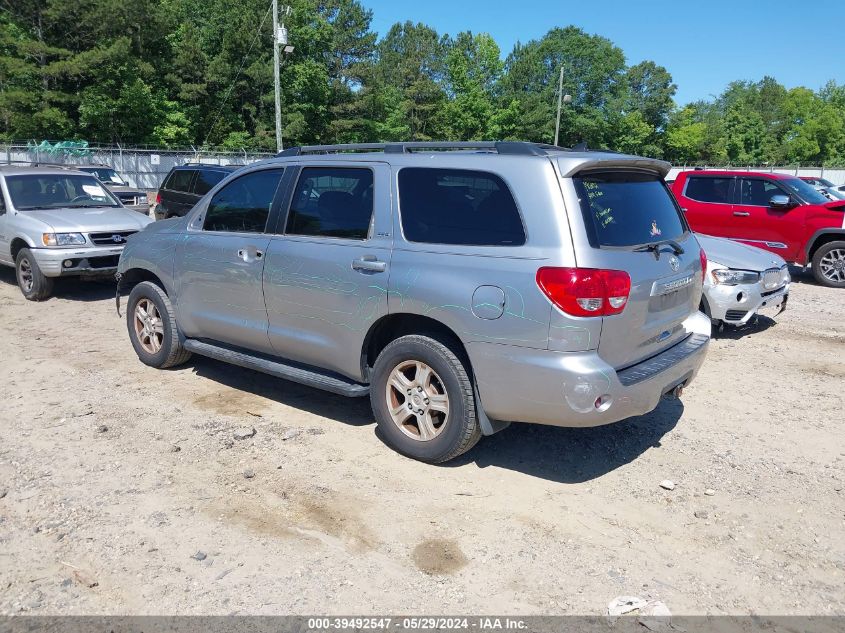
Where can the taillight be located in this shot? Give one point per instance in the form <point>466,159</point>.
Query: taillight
<point>586,292</point>
<point>703,257</point>
<point>158,197</point>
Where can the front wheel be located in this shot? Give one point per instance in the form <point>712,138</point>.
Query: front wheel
<point>34,285</point>
<point>152,327</point>
<point>829,265</point>
<point>423,400</point>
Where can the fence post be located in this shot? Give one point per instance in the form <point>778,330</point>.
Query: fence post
<point>822,176</point>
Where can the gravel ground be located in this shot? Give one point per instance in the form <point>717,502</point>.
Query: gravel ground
<point>213,490</point>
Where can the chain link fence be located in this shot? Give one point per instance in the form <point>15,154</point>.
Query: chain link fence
<point>143,168</point>
<point>146,168</point>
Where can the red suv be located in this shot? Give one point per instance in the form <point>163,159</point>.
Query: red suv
<point>778,212</point>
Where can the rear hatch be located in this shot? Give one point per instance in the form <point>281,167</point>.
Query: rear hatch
<point>632,223</point>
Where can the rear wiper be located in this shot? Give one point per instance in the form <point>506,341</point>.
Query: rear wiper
<point>655,247</point>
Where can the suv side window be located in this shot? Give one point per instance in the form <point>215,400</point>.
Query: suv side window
<point>243,205</point>
<point>458,206</point>
<point>206,180</point>
<point>180,180</point>
<point>757,192</point>
<point>709,189</point>
<point>332,202</point>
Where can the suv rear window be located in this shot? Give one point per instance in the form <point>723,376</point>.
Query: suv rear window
<point>206,179</point>
<point>627,209</point>
<point>180,180</point>
<point>455,206</point>
<point>709,189</point>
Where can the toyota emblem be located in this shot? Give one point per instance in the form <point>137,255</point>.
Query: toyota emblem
<point>675,263</point>
<point>118,239</point>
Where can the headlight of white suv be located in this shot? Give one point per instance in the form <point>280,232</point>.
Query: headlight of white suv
<point>731,277</point>
<point>63,239</point>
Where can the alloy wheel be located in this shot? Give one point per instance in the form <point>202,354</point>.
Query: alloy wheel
<point>833,265</point>
<point>149,327</point>
<point>417,400</point>
<point>25,272</point>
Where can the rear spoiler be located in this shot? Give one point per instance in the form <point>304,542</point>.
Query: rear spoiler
<point>569,167</point>
<point>836,205</point>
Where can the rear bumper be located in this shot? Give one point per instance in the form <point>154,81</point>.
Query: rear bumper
<point>85,261</point>
<point>561,388</point>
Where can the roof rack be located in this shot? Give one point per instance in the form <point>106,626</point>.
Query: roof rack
<point>512,148</point>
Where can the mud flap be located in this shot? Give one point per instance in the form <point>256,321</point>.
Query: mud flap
<point>488,426</point>
<point>117,277</point>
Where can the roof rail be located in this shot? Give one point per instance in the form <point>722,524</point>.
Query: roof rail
<point>518,148</point>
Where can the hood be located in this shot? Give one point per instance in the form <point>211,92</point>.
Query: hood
<point>89,220</point>
<point>735,255</point>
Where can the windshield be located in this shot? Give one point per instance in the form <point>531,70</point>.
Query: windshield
<point>627,209</point>
<point>54,191</point>
<point>807,192</point>
<point>105,174</point>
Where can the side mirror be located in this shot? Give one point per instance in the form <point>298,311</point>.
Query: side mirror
<point>780,201</point>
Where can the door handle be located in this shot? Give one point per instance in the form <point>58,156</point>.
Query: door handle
<point>741,214</point>
<point>369,263</point>
<point>247,256</point>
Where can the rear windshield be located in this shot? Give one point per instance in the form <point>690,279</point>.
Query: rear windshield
<point>627,209</point>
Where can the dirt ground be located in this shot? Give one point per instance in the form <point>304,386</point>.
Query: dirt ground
<point>125,491</point>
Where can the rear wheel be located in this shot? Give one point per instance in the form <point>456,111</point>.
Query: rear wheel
<point>34,285</point>
<point>423,400</point>
<point>152,327</point>
<point>829,265</point>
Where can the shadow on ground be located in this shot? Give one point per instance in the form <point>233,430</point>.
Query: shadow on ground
<point>733,333</point>
<point>353,411</point>
<point>568,455</point>
<point>72,288</point>
<point>564,455</point>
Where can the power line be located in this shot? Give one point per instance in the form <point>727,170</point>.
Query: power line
<point>237,75</point>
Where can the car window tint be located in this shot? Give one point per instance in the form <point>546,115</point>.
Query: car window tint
<point>332,202</point>
<point>627,209</point>
<point>455,206</point>
<point>757,192</point>
<point>243,205</point>
<point>206,180</point>
<point>180,180</point>
<point>709,189</point>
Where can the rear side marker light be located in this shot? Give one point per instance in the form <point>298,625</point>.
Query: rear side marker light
<point>586,292</point>
<point>703,257</point>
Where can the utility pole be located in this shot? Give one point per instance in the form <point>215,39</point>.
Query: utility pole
<point>280,38</point>
<point>561,99</point>
<point>276,79</point>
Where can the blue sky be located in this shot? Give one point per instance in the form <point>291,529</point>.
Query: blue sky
<point>704,44</point>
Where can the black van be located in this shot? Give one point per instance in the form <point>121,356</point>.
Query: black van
<point>185,185</point>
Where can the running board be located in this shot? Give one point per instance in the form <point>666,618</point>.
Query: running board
<point>310,378</point>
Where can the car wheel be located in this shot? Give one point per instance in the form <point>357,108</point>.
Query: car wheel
<point>423,400</point>
<point>829,265</point>
<point>152,327</point>
<point>34,285</point>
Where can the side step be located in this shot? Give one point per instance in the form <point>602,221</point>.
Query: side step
<point>310,378</point>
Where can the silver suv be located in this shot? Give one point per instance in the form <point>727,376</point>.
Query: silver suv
<point>462,286</point>
<point>56,222</point>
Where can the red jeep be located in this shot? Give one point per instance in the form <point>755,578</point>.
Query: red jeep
<point>778,212</point>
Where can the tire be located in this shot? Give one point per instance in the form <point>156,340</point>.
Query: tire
<point>829,265</point>
<point>438,435</point>
<point>32,282</point>
<point>155,341</point>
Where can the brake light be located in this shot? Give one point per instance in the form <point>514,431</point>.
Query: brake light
<point>586,292</point>
<point>703,257</point>
<point>158,197</point>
